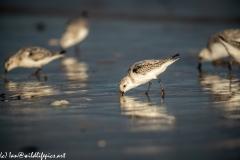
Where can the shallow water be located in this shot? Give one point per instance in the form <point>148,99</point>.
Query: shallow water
<point>198,119</point>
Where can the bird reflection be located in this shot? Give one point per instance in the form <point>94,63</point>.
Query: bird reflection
<point>225,92</point>
<point>31,89</point>
<point>146,115</point>
<point>75,70</point>
<point>77,74</point>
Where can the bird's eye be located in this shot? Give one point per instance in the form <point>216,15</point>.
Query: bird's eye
<point>7,64</point>
<point>124,86</point>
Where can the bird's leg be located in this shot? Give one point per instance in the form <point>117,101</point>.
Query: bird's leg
<point>161,102</point>
<point>200,67</point>
<point>163,92</point>
<point>4,76</point>
<point>230,68</point>
<point>149,100</point>
<point>36,74</point>
<point>77,50</point>
<point>149,85</point>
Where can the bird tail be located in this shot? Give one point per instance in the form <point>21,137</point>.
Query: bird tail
<point>59,53</point>
<point>175,56</point>
<point>62,52</point>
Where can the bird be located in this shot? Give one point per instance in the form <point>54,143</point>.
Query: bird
<point>144,71</point>
<point>215,50</point>
<point>31,57</point>
<point>76,31</point>
<point>233,48</point>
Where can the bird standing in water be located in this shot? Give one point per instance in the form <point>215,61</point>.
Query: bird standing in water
<point>144,71</point>
<point>31,57</point>
<point>76,31</point>
<point>215,50</point>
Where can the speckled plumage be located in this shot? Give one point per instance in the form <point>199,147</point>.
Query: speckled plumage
<point>144,71</point>
<point>37,53</point>
<point>31,57</point>
<point>228,34</point>
<point>146,66</point>
<point>234,44</point>
<point>215,50</point>
<point>233,48</point>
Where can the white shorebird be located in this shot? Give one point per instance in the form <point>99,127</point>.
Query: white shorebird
<point>215,50</point>
<point>31,57</point>
<point>144,71</point>
<point>233,48</point>
<point>76,31</point>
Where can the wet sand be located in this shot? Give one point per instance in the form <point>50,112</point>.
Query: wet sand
<point>198,119</point>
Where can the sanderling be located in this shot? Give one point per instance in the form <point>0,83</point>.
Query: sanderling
<point>31,57</point>
<point>76,31</point>
<point>233,48</point>
<point>215,49</point>
<point>144,71</point>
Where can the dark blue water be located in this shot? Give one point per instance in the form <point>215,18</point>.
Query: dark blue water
<point>198,119</point>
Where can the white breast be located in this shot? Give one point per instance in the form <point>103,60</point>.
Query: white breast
<point>218,51</point>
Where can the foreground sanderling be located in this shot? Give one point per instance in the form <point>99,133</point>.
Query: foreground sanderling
<point>76,31</point>
<point>31,57</point>
<point>233,48</point>
<point>215,49</point>
<point>144,71</point>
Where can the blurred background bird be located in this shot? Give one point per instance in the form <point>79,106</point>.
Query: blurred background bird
<point>31,57</point>
<point>215,50</point>
<point>76,31</point>
<point>233,48</point>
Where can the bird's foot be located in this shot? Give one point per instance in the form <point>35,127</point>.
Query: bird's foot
<point>163,93</point>
<point>231,75</point>
<point>199,67</point>
<point>121,94</point>
<point>36,74</point>
<point>5,80</point>
<point>45,78</point>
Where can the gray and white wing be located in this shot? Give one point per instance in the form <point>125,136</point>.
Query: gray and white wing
<point>146,66</point>
<point>234,43</point>
<point>229,34</point>
<point>37,53</point>
<point>232,34</point>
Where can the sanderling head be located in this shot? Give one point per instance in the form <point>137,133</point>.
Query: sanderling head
<point>10,64</point>
<point>204,55</point>
<point>125,84</point>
